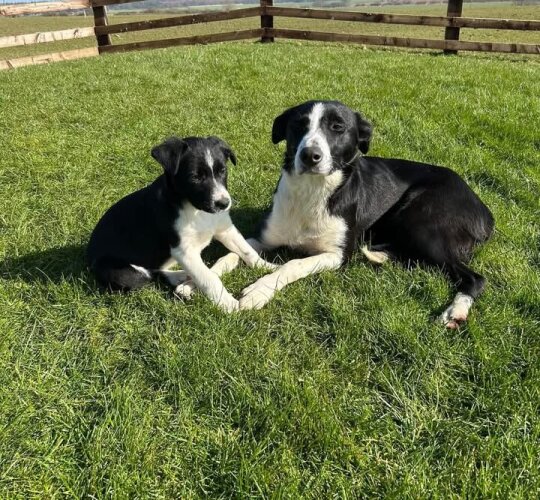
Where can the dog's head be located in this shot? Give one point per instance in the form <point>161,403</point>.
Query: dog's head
<point>321,136</point>
<point>196,171</point>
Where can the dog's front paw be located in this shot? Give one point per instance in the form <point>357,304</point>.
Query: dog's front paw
<point>185,290</point>
<point>228,303</point>
<point>258,294</point>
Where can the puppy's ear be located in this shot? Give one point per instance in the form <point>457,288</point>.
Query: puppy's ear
<point>364,133</point>
<point>279,129</point>
<point>225,148</point>
<point>169,153</point>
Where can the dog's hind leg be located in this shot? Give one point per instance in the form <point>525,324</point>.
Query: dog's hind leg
<point>117,274</point>
<point>469,285</point>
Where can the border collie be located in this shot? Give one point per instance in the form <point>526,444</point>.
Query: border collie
<point>171,221</point>
<point>329,199</point>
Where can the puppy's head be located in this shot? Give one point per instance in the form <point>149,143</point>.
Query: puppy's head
<point>196,171</point>
<point>321,136</point>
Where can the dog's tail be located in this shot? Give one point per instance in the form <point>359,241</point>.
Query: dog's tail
<point>118,274</point>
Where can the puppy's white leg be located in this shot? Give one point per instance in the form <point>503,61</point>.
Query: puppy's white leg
<point>235,242</point>
<point>223,265</point>
<point>259,293</point>
<point>206,280</point>
<point>457,312</point>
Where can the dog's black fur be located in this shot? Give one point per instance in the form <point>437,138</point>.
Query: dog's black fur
<point>140,228</point>
<point>414,212</point>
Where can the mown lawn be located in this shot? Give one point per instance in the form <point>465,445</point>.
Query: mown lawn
<point>343,386</point>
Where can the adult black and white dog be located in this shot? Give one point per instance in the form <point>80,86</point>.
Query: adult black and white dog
<point>330,198</point>
<point>171,221</point>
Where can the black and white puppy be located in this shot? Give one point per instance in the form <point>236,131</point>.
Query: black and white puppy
<point>329,199</point>
<point>171,221</point>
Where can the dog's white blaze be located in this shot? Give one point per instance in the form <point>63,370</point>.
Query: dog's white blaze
<point>300,217</point>
<point>208,158</point>
<point>315,137</point>
<point>218,190</point>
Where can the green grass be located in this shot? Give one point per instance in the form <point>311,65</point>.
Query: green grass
<point>342,387</point>
<point>20,25</point>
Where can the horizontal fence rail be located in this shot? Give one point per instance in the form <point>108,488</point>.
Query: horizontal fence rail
<point>413,43</point>
<point>188,40</point>
<point>45,36</point>
<point>266,11</point>
<point>184,20</point>
<point>365,17</point>
<point>43,7</point>
<point>67,55</point>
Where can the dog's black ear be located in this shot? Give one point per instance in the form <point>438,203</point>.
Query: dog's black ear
<point>364,133</point>
<point>169,153</point>
<point>225,148</point>
<point>279,129</point>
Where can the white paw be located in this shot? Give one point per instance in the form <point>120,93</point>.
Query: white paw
<point>228,303</point>
<point>185,290</point>
<point>456,314</point>
<point>258,294</point>
<point>263,264</point>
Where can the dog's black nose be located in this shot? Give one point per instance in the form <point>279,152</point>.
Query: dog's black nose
<point>311,156</point>
<point>222,204</point>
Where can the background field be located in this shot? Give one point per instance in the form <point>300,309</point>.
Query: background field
<point>19,25</point>
<point>343,386</point>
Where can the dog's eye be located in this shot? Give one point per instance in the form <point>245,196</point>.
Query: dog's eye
<point>337,127</point>
<point>200,175</point>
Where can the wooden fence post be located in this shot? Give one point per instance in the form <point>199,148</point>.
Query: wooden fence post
<point>267,21</point>
<point>455,8</point>
<point>100,19</point>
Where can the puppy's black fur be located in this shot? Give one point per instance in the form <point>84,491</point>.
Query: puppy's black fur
<point>139,230</point>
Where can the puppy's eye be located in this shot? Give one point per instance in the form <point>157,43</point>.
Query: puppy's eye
<point>337,127</point>
<point>200,175</point>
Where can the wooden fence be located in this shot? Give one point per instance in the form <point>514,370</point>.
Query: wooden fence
<point>266,11</point>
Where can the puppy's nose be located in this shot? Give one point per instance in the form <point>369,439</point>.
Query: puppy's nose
<point>311,156</point>
<point>222,203</point>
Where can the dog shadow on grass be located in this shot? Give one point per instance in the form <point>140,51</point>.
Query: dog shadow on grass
<point>68,262</point>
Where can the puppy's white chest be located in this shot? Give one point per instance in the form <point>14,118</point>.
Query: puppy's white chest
<point>300,217</point>
<point>196,228</point>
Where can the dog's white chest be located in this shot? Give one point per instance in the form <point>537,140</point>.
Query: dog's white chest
<point>196,228</point>
<point>300,216</point>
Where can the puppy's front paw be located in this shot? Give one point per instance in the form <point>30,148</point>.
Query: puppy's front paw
<point>258,294</point>
<point>185,290</point>
<point>228,303</point>
<point>263,264</point>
